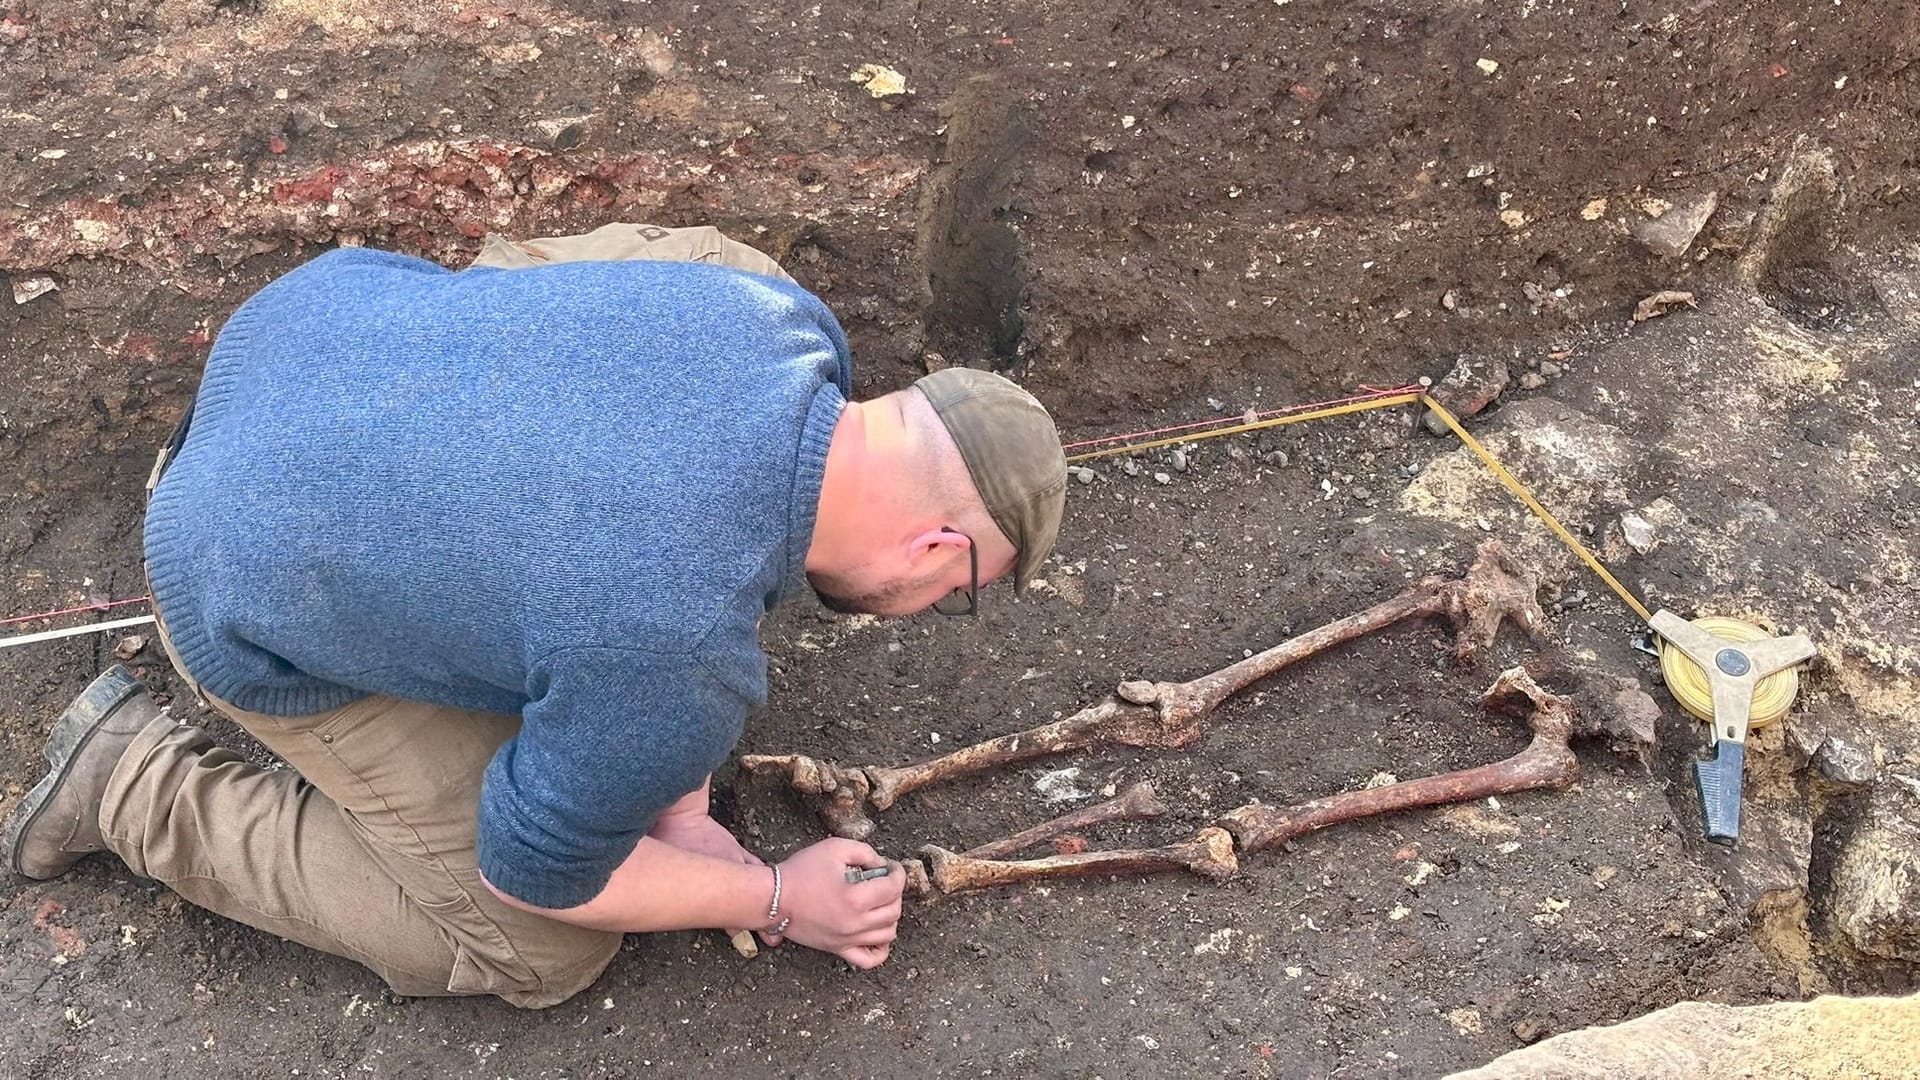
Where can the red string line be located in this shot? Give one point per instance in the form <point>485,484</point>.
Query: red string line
<point>1217,421</point>
<point>102,606</point>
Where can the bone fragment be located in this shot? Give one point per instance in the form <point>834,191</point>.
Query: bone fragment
<point>1208,854</point>
<point>1135,803</point>
<point>1545,763</point>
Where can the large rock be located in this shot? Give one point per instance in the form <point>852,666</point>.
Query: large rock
<point>1573,462</point>
<point>1876,880</point>
<point>1826,1037</point>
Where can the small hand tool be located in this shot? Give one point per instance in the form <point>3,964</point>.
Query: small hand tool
<point>1733,669</point>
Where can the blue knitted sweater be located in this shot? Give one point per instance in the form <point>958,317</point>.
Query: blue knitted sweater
<point>567,492</point>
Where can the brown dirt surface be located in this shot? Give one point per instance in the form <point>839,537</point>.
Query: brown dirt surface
<point>1148,213</point>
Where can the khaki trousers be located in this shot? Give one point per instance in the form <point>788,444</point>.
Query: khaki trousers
<point>364,847</point>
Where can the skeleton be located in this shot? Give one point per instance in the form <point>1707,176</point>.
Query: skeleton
<point>1547,762</point>
<point>1163,715</point>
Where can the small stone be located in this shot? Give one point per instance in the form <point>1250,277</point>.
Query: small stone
<point>1465,1021</point>
<point>1162,478</point>
<point>1471,386</point>
<point>1532,380</point>
<point>1216,405</point>
<point>1550,369</point>
<point>1130,466</point>
<point>1529,1031</point>
<point>1082,474</point>
<point>879,79</point>
<point>130,646</point>
<point>1361,494</point>
<point>1513,218</point>
<point>1845,763</point>
<point>1479,169</point>
<point>1630,720</point>
<point>1382,779</point>
<point>1060,785</point>
<point>1639,532</point>
<point>1487,66</point>
<point>1179,461</point>
<point>1449,300</point>
<point>33,288</point>
<point>1673,232</point>
<point>1594,210</point>
<point>1276,458</point>
<point>562,132</point>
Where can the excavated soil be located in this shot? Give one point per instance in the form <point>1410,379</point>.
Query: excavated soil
<point>1147,213</point>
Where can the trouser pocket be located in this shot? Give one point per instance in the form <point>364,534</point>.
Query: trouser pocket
<point>485,960</point>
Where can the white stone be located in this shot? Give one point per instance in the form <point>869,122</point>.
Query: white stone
<point>1639,531</point>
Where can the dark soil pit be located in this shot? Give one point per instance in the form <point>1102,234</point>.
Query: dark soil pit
<point>1149,214</point>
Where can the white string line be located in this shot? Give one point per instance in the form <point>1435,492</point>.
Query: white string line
<point>74,631</point>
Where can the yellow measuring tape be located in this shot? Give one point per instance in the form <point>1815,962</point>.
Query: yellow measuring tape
<point>1387,402</point>
<point>1252,425</point>
<point>1520,491</point>
<point>1771,698</point>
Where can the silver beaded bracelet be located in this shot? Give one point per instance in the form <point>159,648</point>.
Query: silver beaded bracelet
<point>773,909</point>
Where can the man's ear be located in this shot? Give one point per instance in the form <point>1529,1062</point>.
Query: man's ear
<point>937,543</point>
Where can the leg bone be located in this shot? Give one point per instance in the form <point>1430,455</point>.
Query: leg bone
<point>1545,763</point>
<point>1133,804</point>
<point>1209,854</point>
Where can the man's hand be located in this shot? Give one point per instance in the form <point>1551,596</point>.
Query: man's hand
<point>696,831</point>
<point>854,922</point>
<point>700,833</point>
<point>689,873</point>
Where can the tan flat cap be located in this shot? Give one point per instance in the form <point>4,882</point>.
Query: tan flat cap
<point>1012,451</point>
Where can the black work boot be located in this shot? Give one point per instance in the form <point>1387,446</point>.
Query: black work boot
<point>58,822</point>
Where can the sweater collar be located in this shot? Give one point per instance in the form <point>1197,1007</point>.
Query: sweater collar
<point>809,472</point>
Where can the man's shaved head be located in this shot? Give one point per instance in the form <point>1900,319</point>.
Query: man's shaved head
<point>914,480</point>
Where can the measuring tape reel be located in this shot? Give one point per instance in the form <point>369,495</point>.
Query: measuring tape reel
<point>1688,683</point>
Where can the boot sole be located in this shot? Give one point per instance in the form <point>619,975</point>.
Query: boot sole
<point>72,732</point>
